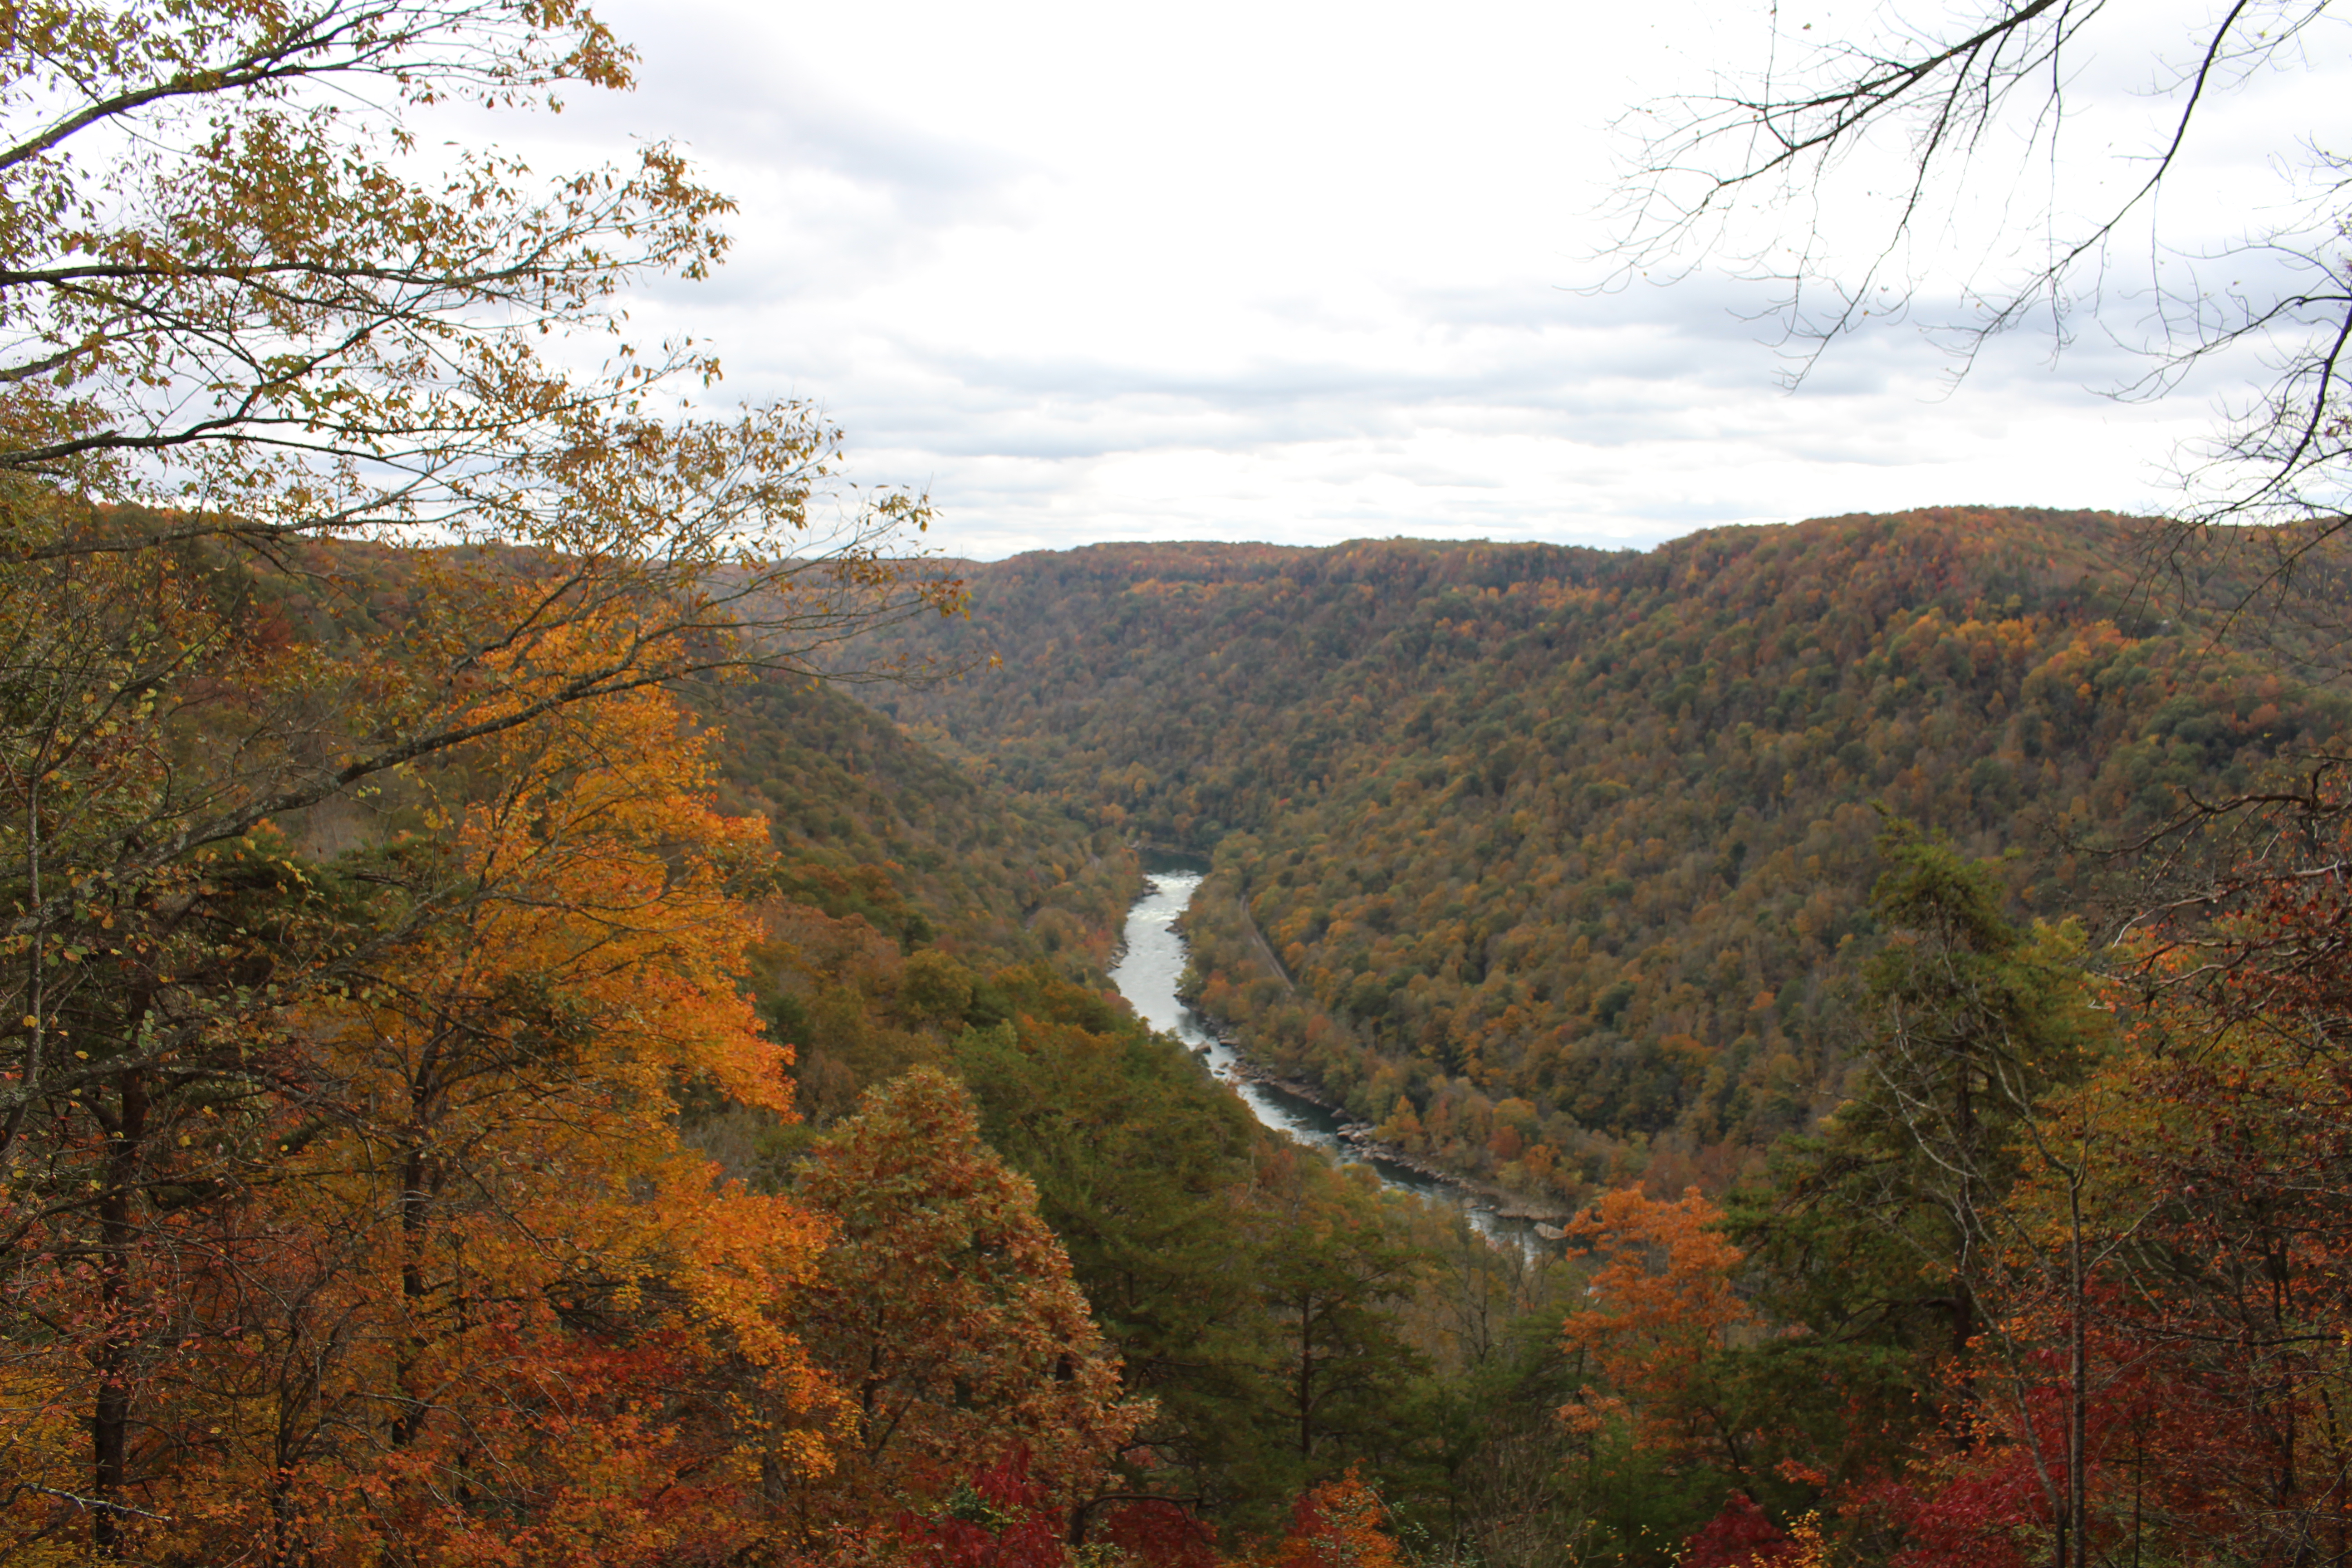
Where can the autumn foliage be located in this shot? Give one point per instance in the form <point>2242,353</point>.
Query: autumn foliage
<point>446,1263</point>
<point>1340,1524</point>
<point>945,1313</point>
<point>1664,1308</point>
<point>502,1067</point>
<point>372,928</point>
<point>1546,860</point>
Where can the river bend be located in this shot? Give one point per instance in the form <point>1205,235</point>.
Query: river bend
<point>1147,976</point>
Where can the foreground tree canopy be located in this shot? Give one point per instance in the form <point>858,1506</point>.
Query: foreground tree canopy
<point>260,357</point>
<point>366,901</point>
<point>244,309</point>
<point>400,1158</point>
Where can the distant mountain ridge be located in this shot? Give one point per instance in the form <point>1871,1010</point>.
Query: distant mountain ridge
<point>1561,846</point>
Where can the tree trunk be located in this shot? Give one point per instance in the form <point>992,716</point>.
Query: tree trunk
<point>110,1425</point>
<point>413,1199</point>
<point>2078,1371</point>
<point>1306,1380</point>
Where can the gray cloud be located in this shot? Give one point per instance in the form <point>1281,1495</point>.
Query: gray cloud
<point>1095,319</point>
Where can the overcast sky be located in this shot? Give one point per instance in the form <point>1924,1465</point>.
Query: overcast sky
<point>1308,271</point>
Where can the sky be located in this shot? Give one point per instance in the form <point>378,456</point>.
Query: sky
<point>1302,272</point>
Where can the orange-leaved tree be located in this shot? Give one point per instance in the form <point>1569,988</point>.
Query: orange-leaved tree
<point>464,1294</point>
<point>1663,1308</point>
<point>947,1312</point>
<point>293,504</point>
<point>1341,1523</point>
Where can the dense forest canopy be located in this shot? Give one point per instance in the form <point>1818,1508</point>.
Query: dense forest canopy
<point>1964,918</point>
<point>1544,859</point>
<point>503,1064</point>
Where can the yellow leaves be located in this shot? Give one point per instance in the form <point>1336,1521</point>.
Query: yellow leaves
<point>740,1258</point>
<point>268,255</point>
<point>482,1196</point>
<point>516,1246</point>
<point>46,1444</point>
<point>606,878</point>
<point>1811,1550</point>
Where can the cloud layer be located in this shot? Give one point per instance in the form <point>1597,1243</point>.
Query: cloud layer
<point>1306,273</point>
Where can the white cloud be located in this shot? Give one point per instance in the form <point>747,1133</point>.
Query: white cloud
<point>1299,272</point>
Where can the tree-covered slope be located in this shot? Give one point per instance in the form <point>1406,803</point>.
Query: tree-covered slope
<point>1544,859</point>
<point>1180,691</point>
<point>873,823</point>
<point>884,847</point>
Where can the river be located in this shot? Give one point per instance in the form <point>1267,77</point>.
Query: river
<point>1147,975</point>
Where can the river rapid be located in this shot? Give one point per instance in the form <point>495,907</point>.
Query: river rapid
<point>1147,976</point>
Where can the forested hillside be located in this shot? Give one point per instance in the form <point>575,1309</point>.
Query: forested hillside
<point>502,1066</point>
<point>1543,859</point>
<point>1785,864</point>
<point>686,1183</point>
<point>1006,878</point>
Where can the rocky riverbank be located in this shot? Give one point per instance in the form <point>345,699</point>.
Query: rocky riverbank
<point>1361,1136</point>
